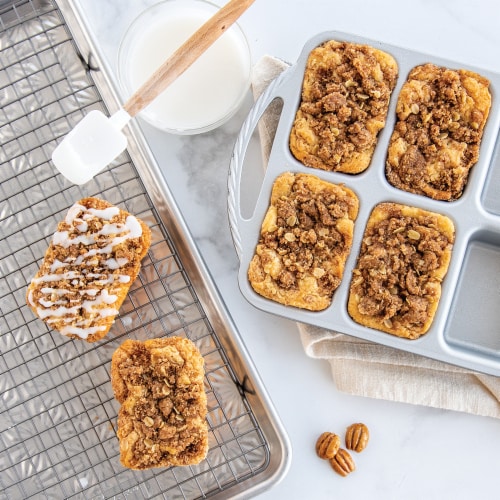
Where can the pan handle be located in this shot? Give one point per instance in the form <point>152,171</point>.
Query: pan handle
<point>236,220</point>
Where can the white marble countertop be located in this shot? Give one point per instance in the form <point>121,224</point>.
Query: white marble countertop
<point>415,452</point>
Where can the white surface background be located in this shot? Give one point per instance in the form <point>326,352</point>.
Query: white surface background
<point>414,452</point>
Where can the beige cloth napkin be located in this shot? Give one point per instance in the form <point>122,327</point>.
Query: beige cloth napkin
<point>366,369</point>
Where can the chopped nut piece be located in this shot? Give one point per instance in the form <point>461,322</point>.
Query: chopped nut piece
<point>148,422</point>
<point>413,235</point>
<point>318,272</point>
<point>358,280</point>
<point>343,463</point>
<point>387,323</point>
<point>357,436</point>
<point>327,445</point>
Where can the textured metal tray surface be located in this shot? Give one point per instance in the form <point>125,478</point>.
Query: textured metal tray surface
<point>465,328</point>
<point>57,411</point>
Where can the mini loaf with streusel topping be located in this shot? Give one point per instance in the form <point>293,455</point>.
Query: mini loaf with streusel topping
<point>162,418</point>
<point>88,268</point>
<point>344,102</point>
<point>441,114</point>
<point>404,257</point>
<point>305,238</point>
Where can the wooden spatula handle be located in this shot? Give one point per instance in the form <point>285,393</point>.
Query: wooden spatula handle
<point>185,55</point>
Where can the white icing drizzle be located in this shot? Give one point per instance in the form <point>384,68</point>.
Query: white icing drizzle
<point>134,226</point>
<point>116,263</point>
<point>62,239</point>
<point>73,212</point>
<point>59,312</point>
<point>83,227</point>
<point>98,302</point>
<point>104,213</point>
<point>83,333</point>
<point>56,265</point>
<point>106,280</point>
<point>47,278</point>
<point>49,290</point>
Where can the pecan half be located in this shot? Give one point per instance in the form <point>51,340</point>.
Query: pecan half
<point>327,445</point>
<point>356,437</point>
<point>342,463</point>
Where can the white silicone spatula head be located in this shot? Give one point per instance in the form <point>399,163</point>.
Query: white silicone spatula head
<point>97,140</point>
<point>94,143</point>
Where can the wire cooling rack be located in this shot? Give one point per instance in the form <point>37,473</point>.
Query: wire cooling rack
<point>57,411</point>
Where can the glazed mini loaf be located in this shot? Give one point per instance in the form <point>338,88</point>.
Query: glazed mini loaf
<point>404,257</point>
<point>162,418</point>
<point>441,114</point>
<point>344,103</point>
<point>90,264</point>
<point>305,239</point>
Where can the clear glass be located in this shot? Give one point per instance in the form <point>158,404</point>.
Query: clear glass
<point>209,92</point>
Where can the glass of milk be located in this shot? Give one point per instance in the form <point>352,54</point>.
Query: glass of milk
<point>210,91</point>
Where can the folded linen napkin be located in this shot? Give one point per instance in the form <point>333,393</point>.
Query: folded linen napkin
<point>362,368</point>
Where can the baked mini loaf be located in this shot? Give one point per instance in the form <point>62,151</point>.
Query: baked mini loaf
<point>404,256</point>
<point>441,114</point>
<point>305,239</point>
<point>344,102</point>
<point>88,268</point>
<point>162,418</point>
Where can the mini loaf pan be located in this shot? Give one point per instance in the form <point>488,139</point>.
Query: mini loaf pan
<point>466,328</point>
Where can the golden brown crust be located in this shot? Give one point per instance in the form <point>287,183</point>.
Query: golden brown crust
<point>304,241</point>
<point>345,98</point>
<point>404,256</point>
<point>93,258</point>
<point>162,418</point>
<point>441,114</point>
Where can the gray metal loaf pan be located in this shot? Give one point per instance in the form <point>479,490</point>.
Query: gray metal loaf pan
<point>465,331</point>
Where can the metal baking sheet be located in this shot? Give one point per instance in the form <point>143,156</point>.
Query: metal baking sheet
<point>57,411</point>
<point>465,329</point>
